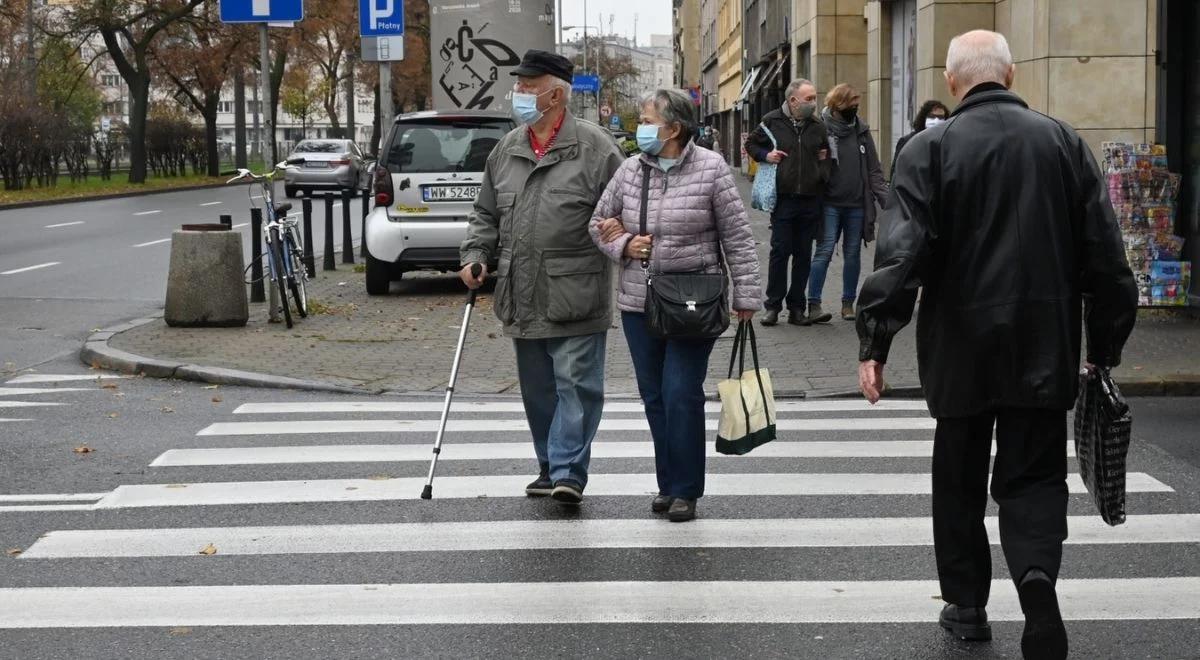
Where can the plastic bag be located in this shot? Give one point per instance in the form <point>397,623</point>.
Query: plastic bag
<point>764,194</point>
<point>1102,430</point>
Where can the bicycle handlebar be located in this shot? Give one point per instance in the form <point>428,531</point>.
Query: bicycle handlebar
<point>244,173</point>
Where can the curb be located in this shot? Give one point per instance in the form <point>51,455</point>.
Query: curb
<point>99,198</point>
<point>98,354</point>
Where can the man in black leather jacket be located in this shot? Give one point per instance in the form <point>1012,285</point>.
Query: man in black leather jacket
<point>1003,220</point>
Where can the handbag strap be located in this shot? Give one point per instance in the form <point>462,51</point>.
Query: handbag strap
<point>757,371</point>
<point>644,210</point>
<point>774,142</point>
<point>738,341</point>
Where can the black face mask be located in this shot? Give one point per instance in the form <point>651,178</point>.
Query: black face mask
<point>849,114</point>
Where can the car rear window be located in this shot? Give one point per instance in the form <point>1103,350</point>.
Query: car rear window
<point>450,144</point>
<point>320,147</point>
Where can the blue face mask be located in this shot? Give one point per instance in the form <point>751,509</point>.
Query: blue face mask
<point>647,139</point>
<point>524,107</point>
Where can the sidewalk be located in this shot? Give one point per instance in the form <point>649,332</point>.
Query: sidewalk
<point>404,342</point>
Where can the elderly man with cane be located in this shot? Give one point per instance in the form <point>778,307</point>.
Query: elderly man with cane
<point>1001,216</point>
<point>553,287</point>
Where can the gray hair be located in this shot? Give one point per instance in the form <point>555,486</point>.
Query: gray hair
<point>978,57</point>
<point>675,107</point>
<point>796,85</point>
<point>564,86</point>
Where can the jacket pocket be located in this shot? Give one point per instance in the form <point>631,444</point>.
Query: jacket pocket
<point>504,306</point>
<point>504,207</point>
<point>577,286</point>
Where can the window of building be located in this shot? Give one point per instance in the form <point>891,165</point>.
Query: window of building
<point>804,61</point>
<point>110,80</point>
<point>225,107</point>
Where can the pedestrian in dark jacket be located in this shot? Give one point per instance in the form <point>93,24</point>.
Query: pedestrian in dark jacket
<point>854,190</point>
<point>932,113</point>
<point>802,154</point>
<point>1002,217</point>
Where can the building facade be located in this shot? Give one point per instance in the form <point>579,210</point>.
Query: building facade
<point>686,18</point>
<point>730,65</point>
<point>767,41</point>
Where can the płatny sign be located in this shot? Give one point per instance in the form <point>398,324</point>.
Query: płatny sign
<point>381,25</point>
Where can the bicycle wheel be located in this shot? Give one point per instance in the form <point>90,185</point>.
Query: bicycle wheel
<point>299,279</point>
<point>281,277</point>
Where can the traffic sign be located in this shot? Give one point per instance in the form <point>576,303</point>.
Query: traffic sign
<point>616,121</point>
<point>261,11</point>
<point>586,84</point>
<point>381,18</point>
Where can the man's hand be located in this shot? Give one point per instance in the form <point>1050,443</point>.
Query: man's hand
<point>639,246</point>
<point>745,314</point>
<point>775,156</point>
<point>870,380</point>
<point>822,154</point>
<point>611,229</point>
<point>470,280</point>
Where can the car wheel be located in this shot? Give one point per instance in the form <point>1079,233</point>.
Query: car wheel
<point>289,192</point>
<point>379,276</point>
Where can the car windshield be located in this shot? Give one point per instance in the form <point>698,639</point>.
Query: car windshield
<point>320,147</point>
<point>445,144</point>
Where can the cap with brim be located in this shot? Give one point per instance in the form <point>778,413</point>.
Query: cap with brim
<point>541,63</point>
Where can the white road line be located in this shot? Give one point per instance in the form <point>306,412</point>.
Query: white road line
<point>65,224</point>
<point>43,508</point>
<point>29,268</point>
<point>362,490</point>
<point>240,225</point>
<point>324,426</point>
<point>60,378</point>
<point>27,404</point>
<point>568,535</point>
<point>149,212</point>
<point>211,203</point>
<point>26,391</point>
<point>161,240</point>
<point>337,204</point>
<point>830,405</point>
<point>475,603</point>
<point>486,451</point>
<point>13,419</point>
<point>53,497</point>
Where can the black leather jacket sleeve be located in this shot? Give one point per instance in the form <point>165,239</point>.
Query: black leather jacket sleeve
<point>758,145</point>
<point>907,230</point>
<point>1107,284</point>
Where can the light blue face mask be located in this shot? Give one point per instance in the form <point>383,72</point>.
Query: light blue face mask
<point>647,139</point>
<point>524,107</point>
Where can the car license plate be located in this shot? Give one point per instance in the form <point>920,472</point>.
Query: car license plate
<point>316,165</point>
<point>463,193</point>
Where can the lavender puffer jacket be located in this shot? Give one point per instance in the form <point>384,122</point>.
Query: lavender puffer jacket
<point>695,212</point>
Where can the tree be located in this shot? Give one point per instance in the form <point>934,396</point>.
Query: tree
<point>618,76</point>
<point>129,29</point>
<point>302,96</point>
<point>68,95</point>
<point>198,54</point>
<point>326,37</point>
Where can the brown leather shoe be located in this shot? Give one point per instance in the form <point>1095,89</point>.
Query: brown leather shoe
<point>848,311</point>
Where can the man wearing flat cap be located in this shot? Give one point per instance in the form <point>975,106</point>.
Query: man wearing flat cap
<point>553,287</point>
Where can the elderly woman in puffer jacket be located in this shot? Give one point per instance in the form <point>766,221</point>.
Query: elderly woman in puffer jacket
<point>695,218</point>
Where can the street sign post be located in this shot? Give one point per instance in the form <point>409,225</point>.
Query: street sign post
<point>585,84</point>
<point>381,28</point>
<point>616,121</point>
<point>261,11</point>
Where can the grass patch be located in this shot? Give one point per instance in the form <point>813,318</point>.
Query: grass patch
<point>95,186</point>
<point>360,268</point>
<point>318,308</point>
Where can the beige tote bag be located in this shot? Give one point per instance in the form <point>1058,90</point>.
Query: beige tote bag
<point>748,402</point>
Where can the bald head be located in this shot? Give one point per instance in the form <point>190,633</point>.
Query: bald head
<point>977,57</point>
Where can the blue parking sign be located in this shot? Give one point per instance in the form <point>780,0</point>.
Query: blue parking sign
<point>381,18</point>
<point>261,11</point>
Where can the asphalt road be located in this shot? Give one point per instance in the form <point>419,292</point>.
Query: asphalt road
<point>341,542</point>
<point>69,268</point>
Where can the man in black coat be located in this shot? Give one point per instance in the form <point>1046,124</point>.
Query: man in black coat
<point>1003,220</point>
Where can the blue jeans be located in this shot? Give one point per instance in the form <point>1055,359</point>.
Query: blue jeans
<point>670,375</point>
<point>562,386</point>
<point>848,222</point>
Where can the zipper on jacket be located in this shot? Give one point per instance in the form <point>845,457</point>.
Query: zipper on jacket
<point>658,216</point>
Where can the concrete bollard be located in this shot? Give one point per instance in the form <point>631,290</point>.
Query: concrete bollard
<point>204,283</point>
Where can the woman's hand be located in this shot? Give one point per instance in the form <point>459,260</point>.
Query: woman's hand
<point>611,229</point>
<point>639,247</point>
<point>745,314</point>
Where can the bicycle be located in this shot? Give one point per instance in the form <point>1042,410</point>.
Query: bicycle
<point>284,249</point>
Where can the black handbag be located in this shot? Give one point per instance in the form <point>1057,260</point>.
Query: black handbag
<point>691,305</point>
<point>1103,425</point>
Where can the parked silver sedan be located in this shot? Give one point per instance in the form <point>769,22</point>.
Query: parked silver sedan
<point>334,165</point>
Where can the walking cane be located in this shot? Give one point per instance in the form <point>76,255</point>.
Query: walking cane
<point>427,494</point>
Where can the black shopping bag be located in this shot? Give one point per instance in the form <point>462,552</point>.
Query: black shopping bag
<point>1102,428</point>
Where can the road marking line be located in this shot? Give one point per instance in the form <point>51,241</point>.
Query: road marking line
<point>53,497</point>
<point>239,226</point>
<point>25,391</point>
<point>291,427</point>
<point>65,224</point>
<point>211,203</point>
<point>13,419</point>
<point>29,268</point>
<point>149,212</point>
<point>516,407</point>
<point>60,378</point>
<point>490,451</point>
<point>25,508</point>
<point>27,404</point>
<point>476,603</point>
<point>569,535</point>
<point>361,490</point>
<point>161,240</point>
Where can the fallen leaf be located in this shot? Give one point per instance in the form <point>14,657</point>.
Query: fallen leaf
<point>217,399</point>
<point>109,386</point>
<point>209,549</point>
<point>491,335</point>
<point>211,387</point>
<point>168,409</point>
<point>83,449</point>
<point>12,552</point>
<point>379,477</point>
<point>181,631</point>
<point>113,415</point>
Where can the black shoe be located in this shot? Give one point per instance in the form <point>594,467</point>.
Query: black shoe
<point>661,503</point>
<point>681,510</point>
<point>799,318</point>
<point>818,315</point>
<point>541,486</point>
<point>967,623</point>
<point>1045,636</point>
<point>770,318</point>
<point>567,491</point>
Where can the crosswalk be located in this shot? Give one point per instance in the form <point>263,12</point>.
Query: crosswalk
<point>43,395</point>
<point>338,482</point>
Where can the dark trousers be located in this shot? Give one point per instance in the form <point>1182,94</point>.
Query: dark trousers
<point>1029,484</point>
<point>794,225</point>
<point>670,375</point>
